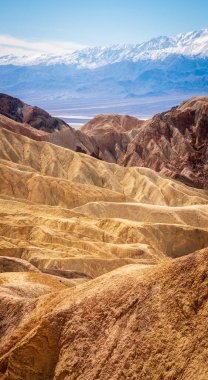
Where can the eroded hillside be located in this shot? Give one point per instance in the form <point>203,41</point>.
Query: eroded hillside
<point>94,284</point>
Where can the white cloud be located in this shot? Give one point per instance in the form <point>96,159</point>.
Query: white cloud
<point>19,47</point>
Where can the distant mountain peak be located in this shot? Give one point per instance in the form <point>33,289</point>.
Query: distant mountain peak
<point>190,44</point>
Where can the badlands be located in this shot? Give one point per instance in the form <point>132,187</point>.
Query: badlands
<point>104,268</point>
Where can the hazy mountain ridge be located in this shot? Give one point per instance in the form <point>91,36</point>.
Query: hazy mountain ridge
<point>124,80</point>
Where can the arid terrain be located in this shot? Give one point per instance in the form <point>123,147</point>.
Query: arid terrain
<point>173,143</point>
<point>104,267</point>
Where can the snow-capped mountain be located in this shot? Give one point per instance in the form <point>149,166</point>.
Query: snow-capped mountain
<point>188,44</point>
<point>164,66</point>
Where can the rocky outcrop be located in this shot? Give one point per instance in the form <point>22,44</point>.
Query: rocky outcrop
<point>23,113</point>
<point>112,133</point>
<point>173,143</point>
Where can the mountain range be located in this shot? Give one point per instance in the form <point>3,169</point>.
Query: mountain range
<point>192,44</point>
<point>164,66</point>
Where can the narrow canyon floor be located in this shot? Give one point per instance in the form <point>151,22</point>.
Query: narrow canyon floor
<point>104,269</point>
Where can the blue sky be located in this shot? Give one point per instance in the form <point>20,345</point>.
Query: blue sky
<point>71,24</point>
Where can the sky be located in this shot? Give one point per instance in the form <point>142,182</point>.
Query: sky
<point>58,26</point>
